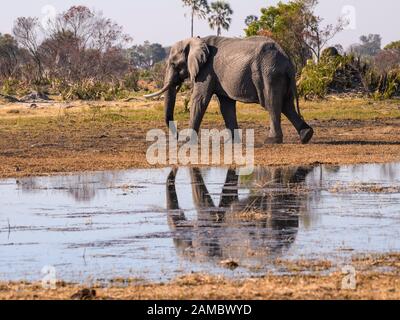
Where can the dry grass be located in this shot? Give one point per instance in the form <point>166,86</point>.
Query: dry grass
<point>304,265</point>
<point>370,284</point>
<point>363,188</point>
<point>249,215</point>
<point>61,138</point>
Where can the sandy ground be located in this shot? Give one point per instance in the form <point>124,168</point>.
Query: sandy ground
<point>64,138</point>
<point>369,284</point>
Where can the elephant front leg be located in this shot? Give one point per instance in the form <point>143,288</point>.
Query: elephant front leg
<point>228,110</point>
<point>200,100</point>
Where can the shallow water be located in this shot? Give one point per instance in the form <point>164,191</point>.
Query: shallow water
<point>154,225</point>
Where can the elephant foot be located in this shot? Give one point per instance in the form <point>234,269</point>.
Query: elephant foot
<point>274,140</point>
<point>306,135</point>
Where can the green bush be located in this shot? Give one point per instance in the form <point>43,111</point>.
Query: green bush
<point>131,81</point>
<point>393,85</point>
<point>388,85</point>
<point>347,74</point>
<point>15,87</point>
<point>316,77</point>
<point>94,90</point>
<point>10,87</point>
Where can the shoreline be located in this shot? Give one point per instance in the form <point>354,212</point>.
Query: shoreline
<point>91,137</point>
<point>370,284</point>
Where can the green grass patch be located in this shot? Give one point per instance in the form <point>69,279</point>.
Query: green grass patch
<point>355,109</point>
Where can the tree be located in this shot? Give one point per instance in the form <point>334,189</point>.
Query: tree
<point>220,17</point>
<point>317,36</point>
<point>393,45</point>
<point>296,28</point>
<point>370,46</point>
<point>199,9</point>
<point>78,44</point>
<point>79,20</point>
<point>387,60</point>
<point>147,55</point>
<point>91,29</point>
<point>26,32</point>
<point>81,43</point>
<point>339,48</point>
<point>9,55</point>
<point>250,19</point>
<point>62,56</point>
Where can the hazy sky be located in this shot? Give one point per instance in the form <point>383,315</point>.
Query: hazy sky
<point>164,21</point>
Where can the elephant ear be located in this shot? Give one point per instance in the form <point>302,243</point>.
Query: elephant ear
<point>197,57</point>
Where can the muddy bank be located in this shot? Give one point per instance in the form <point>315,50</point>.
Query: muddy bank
<point>75,137</point>
<point>368,285</point>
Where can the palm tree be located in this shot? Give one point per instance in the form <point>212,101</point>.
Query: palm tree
<point>220,17</point>
<point>199,9</point>
<point>250,20</point>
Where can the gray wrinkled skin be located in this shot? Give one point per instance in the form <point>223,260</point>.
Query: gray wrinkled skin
<point>251,70</point>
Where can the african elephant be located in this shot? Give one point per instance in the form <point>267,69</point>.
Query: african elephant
<point>251,70</point>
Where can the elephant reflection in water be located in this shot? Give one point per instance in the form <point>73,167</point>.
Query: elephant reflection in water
<point>221,232</point>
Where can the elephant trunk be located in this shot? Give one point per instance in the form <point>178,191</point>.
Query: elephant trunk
<point>171,86</point>
<point>169,103</point>
<point>173,83</point>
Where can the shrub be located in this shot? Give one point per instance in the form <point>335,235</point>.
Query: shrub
<point>93,90</point>
<point>388,85</point>
<point>10,87</point>
<point>316,77</point>
<point>157,73</point>
<point>15,87</point>
<point>131,80</point>
<point>347,74</point>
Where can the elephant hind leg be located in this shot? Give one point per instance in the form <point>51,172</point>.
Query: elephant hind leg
<point>305,131</point>
<point>201,97</point>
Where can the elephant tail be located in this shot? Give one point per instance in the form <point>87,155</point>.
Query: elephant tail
<point>296,94</point>
<point>293,92</point>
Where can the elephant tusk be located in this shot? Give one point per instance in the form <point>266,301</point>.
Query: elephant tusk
<point>157,94</point>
